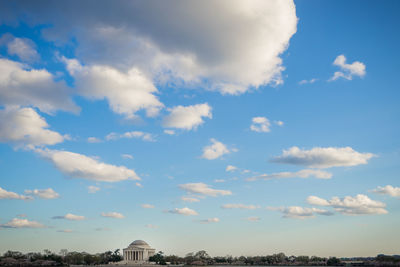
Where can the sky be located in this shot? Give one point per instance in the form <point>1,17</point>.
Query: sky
<point>235,127</point>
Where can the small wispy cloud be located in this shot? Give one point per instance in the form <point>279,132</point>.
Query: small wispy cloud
<point>296,212</point>
<point>216,150</point>
<point>183,211</point>
<point>347,71</point>
<point>22,223</point>
<point>387,190</point>
<point>306,173</point>
<point>43,193</point>
<point>169,132</point>
<point>260,124</point>
<point>113,214</point>
<point>4,194</point>
<point>93,140</point>
<point>323,157</point>
<point>210,220</point>
<point>190,199</point>
<point>67,231</point>
<point>147,206</point>
<point>134,134</point>
<point>358,205</point>
<point>187,117</point>
<point>313,80</point>
<point>231,168</point>
<point>239,206</point>
<point>203,189</point>
<point>126,156</point>
<point>71,217</point>
<point>93,189</point>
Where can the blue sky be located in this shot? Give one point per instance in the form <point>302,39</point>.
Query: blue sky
<point>244,129</point>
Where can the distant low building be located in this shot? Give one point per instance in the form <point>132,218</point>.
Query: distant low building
<point>138,252</point>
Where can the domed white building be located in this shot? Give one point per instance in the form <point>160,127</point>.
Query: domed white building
<point>138,252</point>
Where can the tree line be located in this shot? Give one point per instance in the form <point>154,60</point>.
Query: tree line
<point>200,258</point>
<point>63,258</point>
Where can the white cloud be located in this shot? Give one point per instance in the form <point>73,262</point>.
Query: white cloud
<point>358,205</point>
<point>189,199</point>
<point>387,190</point>
<point>279,123</point>
<point>134,134</point>
<point>219,181</point>
<point>169,132</point>
<point>187,118</point>
<point>24,127</point>
<point>127,156</point>
<point>347,72</point>
<point>71,217</point>
<point>203,189</point>
<point>253,219</point>
<point>183,211</point>
<point>215,150</point>
<point>24,86</point>
<point>236,48</point>
<point>313,80</point>
<point>114,215</point>
<point>139,184</point>
<point>22,223</point>
<point>210,220</point>
<point>313,200</point>
<point>24,48</point>
<point>126,92</point>
<point>151,226</point>
<point>80,166</point>
<point>239,206</point>
<point>43,193</point>
<point>297,212</point>
<point>260,125</point>
<point>323,157</point>
<point>93,140</point>
<point>4,194</point>
<point>306,173</point>
<point>93,189</point>
<point>230,168</point>
<point>147,206</point>
<point>67,231</point>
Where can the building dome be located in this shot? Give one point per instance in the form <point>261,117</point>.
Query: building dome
<point>139,243</point>
<point>138,252</point>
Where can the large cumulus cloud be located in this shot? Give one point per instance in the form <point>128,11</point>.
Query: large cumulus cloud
<point>233,45</point>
